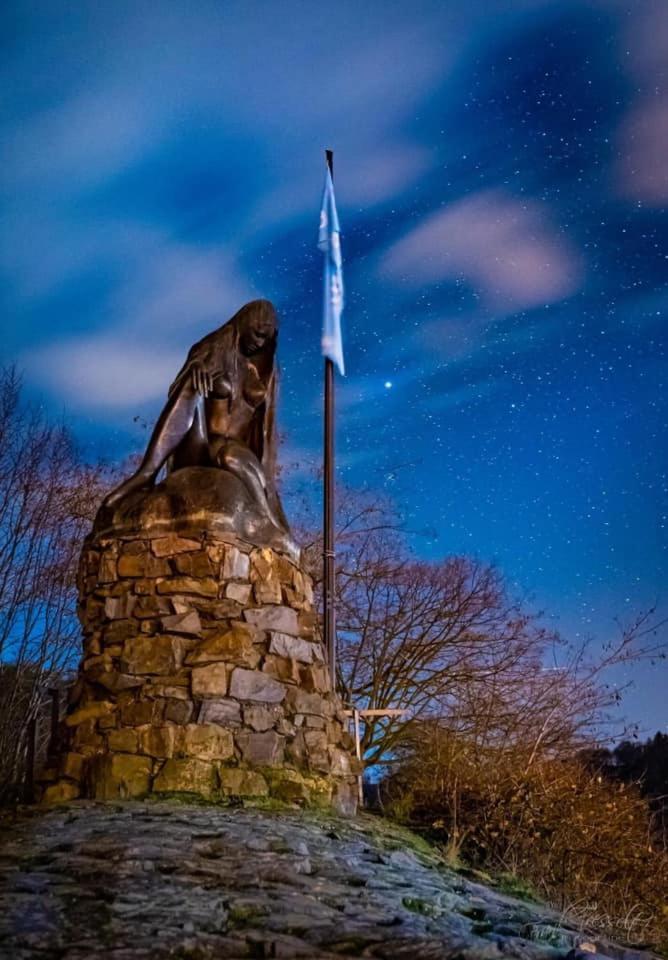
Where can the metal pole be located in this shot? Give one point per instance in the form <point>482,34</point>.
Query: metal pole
<point>52,749</point>
<point>29,782</point>
<point>358,754</point>
<point>329,555</point>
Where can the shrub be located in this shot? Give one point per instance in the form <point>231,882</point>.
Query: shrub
<point>581,842</point>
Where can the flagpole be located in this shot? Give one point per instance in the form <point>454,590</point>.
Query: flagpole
<point>329,555</point>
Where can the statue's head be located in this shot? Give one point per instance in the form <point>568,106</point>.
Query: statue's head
<point>257,325</point>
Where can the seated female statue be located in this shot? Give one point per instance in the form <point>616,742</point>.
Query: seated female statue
<point>220,411</point>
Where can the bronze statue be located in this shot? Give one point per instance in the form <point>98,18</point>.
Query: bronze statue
<point>220,413</point>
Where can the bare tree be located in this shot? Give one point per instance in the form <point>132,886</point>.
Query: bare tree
<point>47,498</point>
<point>446,640</point>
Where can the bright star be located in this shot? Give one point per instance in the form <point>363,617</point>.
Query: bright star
<point>388,384</point>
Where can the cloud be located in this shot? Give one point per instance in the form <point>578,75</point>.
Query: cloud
<point>110,372</point>
<point>79,142</point>
<point>504,248</point>
<point>368,174</point>
<point>181,288</point>
<point>641,172</point>
<point>165,303</point>
<point>383,173</point>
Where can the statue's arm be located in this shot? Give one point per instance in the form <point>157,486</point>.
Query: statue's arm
<point>201,366</point>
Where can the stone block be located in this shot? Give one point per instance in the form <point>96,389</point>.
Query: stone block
<point>315,678</point>
<point>116,776</point>
<point>223,609</point>
<point>107,572</point>
<point>289,786</point>
<point>284,645</point>
<point>293,599</point>
<point>316,750</point>
<point>315,740</point>
<point>280,619</point>
<point>113,680</point>
<point>251,685</point>
<point>206,587</point>
<point>263,564</point>
<point>285,568</point>
<point>260,717</point>
<point>209,681</point>
<point>87,740</point>
<point>268,591</point>
<point>216,551</point>
<point>236,565</point>
<point>178,711</point>
<point>94,609</point>
<point>140,712</point>
<point>119,608</point>
<point>234,646</point>
<point>188,623</point>
<point>98,661</point>
<point>345,798</point>
<point>309,703</point>
<point>180,605</point>
<point>171,691</point>
<point>151,606</point>
<point>298,580</point>
<point>72,765</point>
<point>60,792</point>
<point>281,669</point>
<point>308,590</point>
<point>240,592</point>
<point>285,727</point>
<point>207,741</point>
<point>223,711</point>
<point>92,645</point>
<point>90,711</point>
<point>172,544</point>
<point>144,586</point>
<point>237,782</point>
<point>117,632</point>
<point>162,654</point>
<point>261,749</point>
<point>194,564</point>
<point>134,547</point>
<point>308,622</point>
<point>123,740</point>
<point>158,741</point>
<point>142,565</point>
<point>186,776</point>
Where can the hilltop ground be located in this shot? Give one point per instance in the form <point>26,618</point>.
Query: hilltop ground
<point>135,880</point>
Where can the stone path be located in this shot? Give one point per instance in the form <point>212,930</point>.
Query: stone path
<point>156,880</point>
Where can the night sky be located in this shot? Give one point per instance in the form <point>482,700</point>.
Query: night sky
<point>501,169</point>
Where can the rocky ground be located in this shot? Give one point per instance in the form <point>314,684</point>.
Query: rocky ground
<point>164,879</point>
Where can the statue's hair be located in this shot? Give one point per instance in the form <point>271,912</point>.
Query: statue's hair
<point>268,441</point>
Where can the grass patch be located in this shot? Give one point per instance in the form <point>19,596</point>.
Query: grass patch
<point>517,887</point>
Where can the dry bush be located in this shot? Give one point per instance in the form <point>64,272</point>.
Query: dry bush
<point>583,843</point>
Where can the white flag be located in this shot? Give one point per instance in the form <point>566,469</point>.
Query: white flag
<point>330,244</point>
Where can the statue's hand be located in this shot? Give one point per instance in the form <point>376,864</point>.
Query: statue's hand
<point>201,380</point>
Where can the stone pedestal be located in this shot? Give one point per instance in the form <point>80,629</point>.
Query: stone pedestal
<point>202,675</point>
